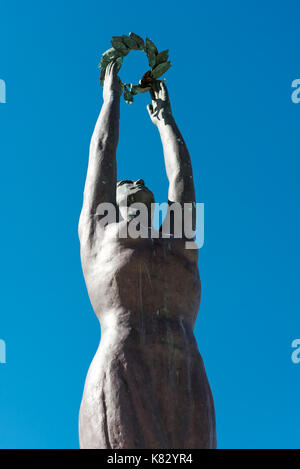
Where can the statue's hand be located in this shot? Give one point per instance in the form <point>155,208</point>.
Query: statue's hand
<point>112,83</point>
<point>160,109</point>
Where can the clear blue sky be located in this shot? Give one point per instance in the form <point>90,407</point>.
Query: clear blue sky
<point>230,85</point>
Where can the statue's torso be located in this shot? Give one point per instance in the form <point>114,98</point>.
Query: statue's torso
<point>146,386</point>
<point>143,278</point>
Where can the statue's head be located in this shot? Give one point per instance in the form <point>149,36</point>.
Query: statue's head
<point>131,192</point>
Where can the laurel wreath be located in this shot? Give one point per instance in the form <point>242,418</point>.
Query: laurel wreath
<point>121,46</point>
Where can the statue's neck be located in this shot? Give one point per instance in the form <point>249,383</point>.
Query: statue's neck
<point>131,214</point>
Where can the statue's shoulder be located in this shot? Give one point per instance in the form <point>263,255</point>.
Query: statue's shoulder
<point>118,236</point>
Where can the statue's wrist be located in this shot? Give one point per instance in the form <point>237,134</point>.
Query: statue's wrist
<point>112,96</point>
<point>166,119</point>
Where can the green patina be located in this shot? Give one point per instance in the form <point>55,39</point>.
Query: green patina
<point>164,312</point>
<point>121,46</point>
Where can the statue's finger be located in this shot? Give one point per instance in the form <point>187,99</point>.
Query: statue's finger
<point>164,90</point>
<point>107,71</point>
<point>163,87</point>
<point>150,109</point>
<point>152,94</point>
<point>114,67</point>
<point>156,88</point>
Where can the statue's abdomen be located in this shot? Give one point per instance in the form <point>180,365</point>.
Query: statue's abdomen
<point>147,386</point>
<point>148,279</point>
<point>152,393</point>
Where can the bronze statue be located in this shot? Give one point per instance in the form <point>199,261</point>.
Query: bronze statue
<point>146,386</point>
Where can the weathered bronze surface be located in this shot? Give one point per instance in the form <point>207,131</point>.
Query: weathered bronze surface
<point>121,46</point>
<point>146,386</point>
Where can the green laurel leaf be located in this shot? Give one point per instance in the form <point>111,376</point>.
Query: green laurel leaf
<point>151,52</point>
<point>119,61</point>
<point>122,45</point>
<point>102,75</point>
<point>128,96</point>
<point>130,43</point>
<point>119,45</point>
<point>138,40</point>
<point>108,56</point>
<point>151,47</point>
<point>162,57</point>
<point>160,69</point>
<point>151,60</point>
<point>137,89</point>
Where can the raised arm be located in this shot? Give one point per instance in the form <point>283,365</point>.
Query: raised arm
<point>177,158</point>
<point>100,185</point>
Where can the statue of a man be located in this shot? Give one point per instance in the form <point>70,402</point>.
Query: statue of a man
<point>146,386</point>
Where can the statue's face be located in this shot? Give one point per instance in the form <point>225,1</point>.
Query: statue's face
<point>129,192</point>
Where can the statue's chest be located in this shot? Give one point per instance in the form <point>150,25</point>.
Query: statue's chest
<point>155,273</point>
